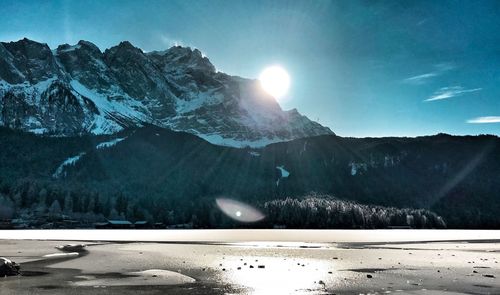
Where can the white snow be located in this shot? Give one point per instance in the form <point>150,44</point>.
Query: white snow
<point>111,111</point>
<point>110,143</point>
<point>68,162</point>
<point>31,91</point>
<point>284,173</point>
<point>354,170</point>
<point>219,140</point>
<point>35,126</point>
<point>38,130</point>
<point>197,100</point>
<point>254,154</point>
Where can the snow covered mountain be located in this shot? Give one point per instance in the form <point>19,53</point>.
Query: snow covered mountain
<point>79,89</point>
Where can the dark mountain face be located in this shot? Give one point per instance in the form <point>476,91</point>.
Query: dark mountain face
<point>27,61</point>
<point>454,176</point>
<point>101,93</point>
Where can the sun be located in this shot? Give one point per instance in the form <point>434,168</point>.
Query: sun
<point>275,81</point>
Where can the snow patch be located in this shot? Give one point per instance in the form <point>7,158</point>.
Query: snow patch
<point>284,173</point>
<point>68,162</point>
<point>108,144</point>
<point>114,110</point>
<point>38,131</point>
<point>233,142</point>
<point>197,101</point>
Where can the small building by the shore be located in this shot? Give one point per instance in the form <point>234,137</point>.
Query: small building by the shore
<point>142,224</point>
<point>6,224</point>
<point>114,224</point>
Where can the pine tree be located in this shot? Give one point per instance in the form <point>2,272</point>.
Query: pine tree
<point>68,203</point>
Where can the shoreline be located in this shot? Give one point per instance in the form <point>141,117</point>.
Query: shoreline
<point>251,235</point>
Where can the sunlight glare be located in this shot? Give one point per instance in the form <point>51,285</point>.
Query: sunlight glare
<point>280,275</point>
<point>275,81</point>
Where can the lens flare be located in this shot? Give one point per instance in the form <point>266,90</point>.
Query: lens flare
<point>239,211</point>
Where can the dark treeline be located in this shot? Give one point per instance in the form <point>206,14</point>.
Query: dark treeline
<point>173,177</point>
<point>28,201</point>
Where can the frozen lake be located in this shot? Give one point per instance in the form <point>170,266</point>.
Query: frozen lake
<point>254,262</point>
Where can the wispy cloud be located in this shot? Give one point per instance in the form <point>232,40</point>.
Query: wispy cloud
<point>421,79</point>
<point>449,92</point>
<point>440,69</point>
<point>485,120</point>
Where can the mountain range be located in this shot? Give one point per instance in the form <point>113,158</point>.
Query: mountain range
<point>77,89</point>
<point>161,135</point>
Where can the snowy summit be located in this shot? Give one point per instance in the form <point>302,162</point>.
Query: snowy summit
<point>77,89</point>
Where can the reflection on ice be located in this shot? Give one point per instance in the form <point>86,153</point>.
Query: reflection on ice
<point>281,268</point>
<point>278,275</point>
<point>239,211</point>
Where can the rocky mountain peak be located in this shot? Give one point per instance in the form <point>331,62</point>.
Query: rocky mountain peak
<point>178,57</point>
<point>81,46</point>
<point>78,89</point>
<point>124,54</point>
<point>89,45</point>
<point>31,60</point>
<point>122,49</point>
<point>84,62</point>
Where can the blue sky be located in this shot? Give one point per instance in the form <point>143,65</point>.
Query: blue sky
<point>363,68</point>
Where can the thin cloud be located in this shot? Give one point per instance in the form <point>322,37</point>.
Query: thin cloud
<point>440,69</point>
<point>449,92</point>
<point>484,120</point>
<point>421,79</point>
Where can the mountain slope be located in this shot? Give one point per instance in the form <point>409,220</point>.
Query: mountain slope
<point>162,171</point>
<point>79,89</point>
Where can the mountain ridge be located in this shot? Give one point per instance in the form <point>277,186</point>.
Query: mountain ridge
<point>77,89</point>
<point>160,170</point>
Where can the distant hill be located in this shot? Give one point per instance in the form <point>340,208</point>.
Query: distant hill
<point>165,175</point>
